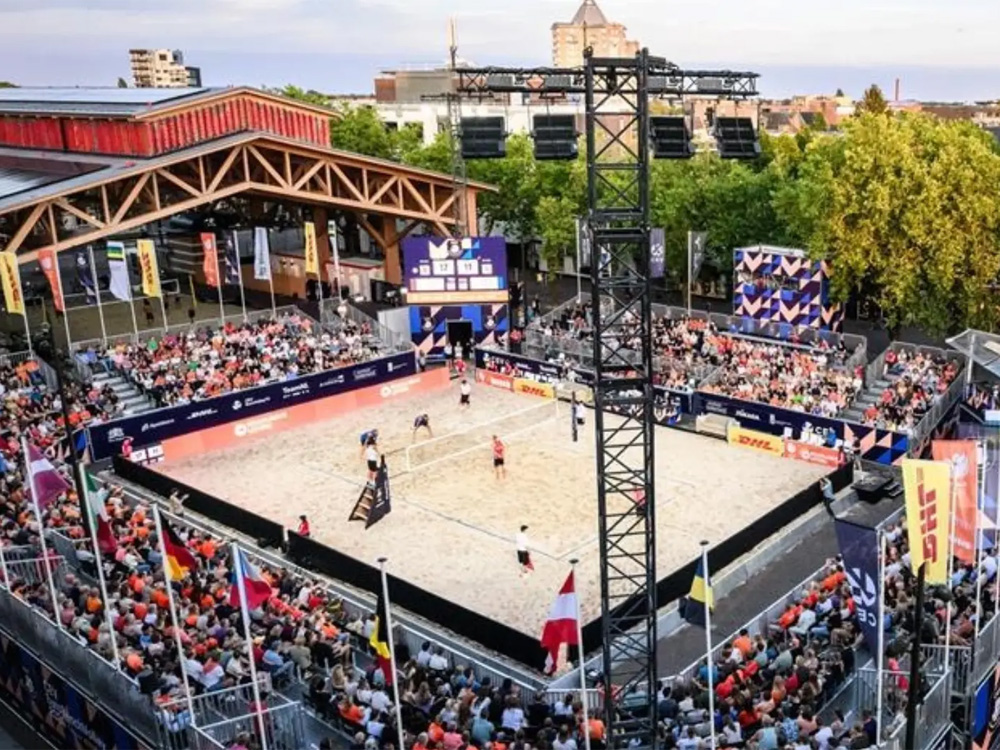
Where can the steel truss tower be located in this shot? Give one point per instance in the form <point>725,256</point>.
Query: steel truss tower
<point>617,92</point>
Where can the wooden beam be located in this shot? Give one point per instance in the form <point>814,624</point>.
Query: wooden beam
<point>405,182</point>
<point>358,195</point>
<point>26,227</point>
<point>267,166</point>
<point>288,168</point>
<point>382,190</point>
<point>104,202</point>
<point>304,179</point>
<point>170,177</point>
<point>376,235</point>
<point>81,215</point>
<point>226,164</point>
<point>53,233</point>
<point>130,198</point>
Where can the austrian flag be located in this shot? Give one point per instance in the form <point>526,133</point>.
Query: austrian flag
<point>561,626</point>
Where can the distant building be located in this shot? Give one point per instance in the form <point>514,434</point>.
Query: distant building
<point>589,28</point>
<point>162,69</point>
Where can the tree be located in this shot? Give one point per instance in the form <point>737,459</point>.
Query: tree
<point>302,95</point>
<point>7,85</point>
<point>873,102</point>
<point>122,83</point>
<point>840,93</point>
<point>557,228</point>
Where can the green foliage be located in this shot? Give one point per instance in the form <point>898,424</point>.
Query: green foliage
<point>122,83</point>
<point>873,102</point>
<point>7,85</point>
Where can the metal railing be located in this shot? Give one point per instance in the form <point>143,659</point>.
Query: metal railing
<point>13,358</point>
<point>332,311</point>
<point>283,728</point>
<point>933,715</point>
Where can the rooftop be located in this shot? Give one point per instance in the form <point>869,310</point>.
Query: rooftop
<point>589,14</point>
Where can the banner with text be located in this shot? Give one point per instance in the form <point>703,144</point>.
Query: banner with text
<point>758,441</point>
<point>927,486</point>
<point>158,426</point>
<point>962,455</point>
<point>859,549</point>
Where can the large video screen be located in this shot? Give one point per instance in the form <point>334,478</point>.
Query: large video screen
<point>446,271</point>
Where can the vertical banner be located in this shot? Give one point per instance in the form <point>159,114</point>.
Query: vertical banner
<point>927,485</point>
<point>11,278</point>
<point>120,287</point>
<point>85,276</point>
<point>261,255</point>
<point>859,549</point>
<point>49,262</point>
<point>210,260</point>
<point>149,267</point>
<point>312,252</point>
<point>964,461</point>
<point>657,253</point>
<point>696,252</point>
<point>233,259</point>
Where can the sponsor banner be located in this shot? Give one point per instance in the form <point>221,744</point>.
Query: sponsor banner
<point>50,267</point>
<point>298,415</point>
<point>163,424</point>
<point>820,455</point>
<point>859,549</point>
<point>880,446</point>
<point>668,406</point>
<point>962,455</point>
<point>311,251</point>
<point>533,388</point>
<point>210,258</point>
<point>758,441</point>
<point>10,276</point>
<point>986,713</point>
<point>495,380</point>
<point>148,268</point>
<point>927,486</point>
<point>61,712</point>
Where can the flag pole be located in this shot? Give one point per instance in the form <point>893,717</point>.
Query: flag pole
<point>220,280</point>
<point>880,656</point>
<point>688,275</point>
<point>392,653</point>
<point>951,556</point>
<point>978,543</point>
<point>579,271</point>
<point>41,532</point>
<point>996,527</point>
<point>708,639</point>
<point>24,307</point>
<point>335,246</point>
<point>62,297</point>
<point>131,299</point>
<point>85,502</point>
<point>579,647</point>
<point>97,292</point>
<point>245,612</point>
<point>173,614</point>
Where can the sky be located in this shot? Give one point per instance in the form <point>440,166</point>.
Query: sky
<point>941,50</point>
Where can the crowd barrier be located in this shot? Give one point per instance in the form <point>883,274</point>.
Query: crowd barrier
<point>156,427</point>
<point>268,533</point>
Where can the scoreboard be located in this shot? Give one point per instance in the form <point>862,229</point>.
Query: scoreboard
<point>446,271</point>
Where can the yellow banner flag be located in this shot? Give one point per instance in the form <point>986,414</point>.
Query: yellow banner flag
<point>148,268</point>
<point>11,279</point>
<point>312,254</point>
<point>927,485</point>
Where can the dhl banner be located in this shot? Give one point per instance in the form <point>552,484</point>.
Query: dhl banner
<point>312,253</point>
<point>927,485</point>
<point>11,279</point>
<point>759,441</point>
<point>961,454</point>
<point>530,387</point>
<point>495,379</point>
<point>50,267</point>
<point>149,268</point>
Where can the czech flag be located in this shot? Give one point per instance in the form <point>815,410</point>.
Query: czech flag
<point>179,559</point>
<point>258,590</point>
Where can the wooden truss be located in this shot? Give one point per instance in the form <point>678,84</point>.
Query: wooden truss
<point>136,194</point>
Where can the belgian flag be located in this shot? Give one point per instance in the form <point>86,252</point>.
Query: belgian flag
<point>699,595</point>
<point>178,559</point>
<point>379,641</point>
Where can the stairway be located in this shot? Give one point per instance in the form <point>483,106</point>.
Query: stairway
<point>134,401</point>
<point>870,395</point>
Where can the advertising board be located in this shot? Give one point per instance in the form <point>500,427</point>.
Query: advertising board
<point>986,713</point>
<point>65,715</point>
<point>299,415</point>
<point>534,388</point>
<point>814,454</point>
<point>874,444</point>
<point>495,380</point>
<point>163,424</point>
<point>758,441</point>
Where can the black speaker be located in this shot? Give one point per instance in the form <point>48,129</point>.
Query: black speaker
<point>483,138</point>
<point>555,137</point>
<point>736,138</point>
<point>670,138</point>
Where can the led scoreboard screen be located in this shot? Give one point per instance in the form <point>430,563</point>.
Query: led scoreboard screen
<point>446,271</point>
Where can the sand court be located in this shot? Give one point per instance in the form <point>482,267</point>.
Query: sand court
<point>452,524</point>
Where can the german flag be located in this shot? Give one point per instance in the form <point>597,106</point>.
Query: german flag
<point>178,559</point>
<point>379,641</point>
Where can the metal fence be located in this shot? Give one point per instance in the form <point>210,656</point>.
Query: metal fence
<point>13,358</point>
<point>933,716</point>
<point>333,311</point>
<point>283,729</point>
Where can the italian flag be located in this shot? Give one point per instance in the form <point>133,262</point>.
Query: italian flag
<point>98,513</point>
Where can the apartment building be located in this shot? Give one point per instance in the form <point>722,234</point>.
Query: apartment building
<point>162,68</point>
